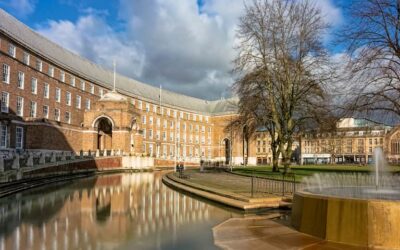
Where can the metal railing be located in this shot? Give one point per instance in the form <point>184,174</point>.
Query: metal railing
<point>282,185</point>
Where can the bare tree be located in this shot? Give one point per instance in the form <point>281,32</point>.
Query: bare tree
<point>373,43</point>
<point>280,41</point>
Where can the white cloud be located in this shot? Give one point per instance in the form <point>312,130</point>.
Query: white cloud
<point>92,38</point>
<point>168,42</point>
<point>21,8</point>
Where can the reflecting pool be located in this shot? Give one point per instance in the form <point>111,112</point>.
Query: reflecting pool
<point>119,211</point>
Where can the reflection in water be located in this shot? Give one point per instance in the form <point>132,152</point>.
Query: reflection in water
<point>121,211</point>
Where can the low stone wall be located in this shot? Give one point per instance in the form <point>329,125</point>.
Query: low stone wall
<point>89,164</point>
<point>137,162</point>
<point>171,163</point>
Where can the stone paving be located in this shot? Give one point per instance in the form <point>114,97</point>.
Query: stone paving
<point>226,182</point>
<point>264,233</point>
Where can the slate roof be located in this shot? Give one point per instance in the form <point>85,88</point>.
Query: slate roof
<point>104,77</point>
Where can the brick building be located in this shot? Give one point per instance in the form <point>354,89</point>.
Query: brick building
<point>52,99</point>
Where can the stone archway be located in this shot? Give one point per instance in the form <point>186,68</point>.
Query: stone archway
<point>104,133</point>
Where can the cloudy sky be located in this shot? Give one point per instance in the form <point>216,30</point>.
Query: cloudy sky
<point>183,45</point>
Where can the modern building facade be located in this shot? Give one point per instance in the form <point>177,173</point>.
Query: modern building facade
<point>52,99</point>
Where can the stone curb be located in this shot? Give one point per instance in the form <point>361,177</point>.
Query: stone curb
<point>214,195</point>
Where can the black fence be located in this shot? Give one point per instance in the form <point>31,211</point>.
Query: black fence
<point>281,185</point>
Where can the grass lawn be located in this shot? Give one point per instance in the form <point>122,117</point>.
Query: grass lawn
<point>306,170</point>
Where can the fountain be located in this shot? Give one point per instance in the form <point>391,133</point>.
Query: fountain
<point>360,209</point>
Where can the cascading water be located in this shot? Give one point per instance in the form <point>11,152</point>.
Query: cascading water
<point>379,165</point>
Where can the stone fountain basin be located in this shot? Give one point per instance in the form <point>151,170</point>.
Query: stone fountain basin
<point>371,222</point>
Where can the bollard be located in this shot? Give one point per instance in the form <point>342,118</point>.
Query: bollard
<point>97,153</point>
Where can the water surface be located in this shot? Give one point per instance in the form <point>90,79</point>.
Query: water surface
<point>119,211</point>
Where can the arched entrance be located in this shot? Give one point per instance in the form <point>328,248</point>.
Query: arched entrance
<point>227,143</point>
<point>104,133</point>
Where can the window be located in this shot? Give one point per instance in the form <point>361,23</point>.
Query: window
<point>87,105</point>
<point>57,114</point>
<point>168,112</point>
<point>46,90</point>
<point>91,89</point>
<point>154,108</point>
<point>144,119</point>
<point>34,86</point>
<point>175,114</point>
<point>67,117</point>
<point>194,117</point>
<point>11,50</point>
<point>3,135</point>
<point>151,120</point>
<point>39,64</point>
<point>164,136</point>
<point>62,76</point>
<point>83,85</point>
<point>19,137</point>
<point>26,58</point>
<point>165,124</point>
<point>46,111</point>
<point>6,73</point>
<point>150,134</point>
<point>144,133</point>
<point>32,112</point>
<point>147,107</point>
<point>58,95</point>
<point>5,98</point>
<point>140,104</point>
<point>51,71</point>
<point>20,106</point>
<point>68,98</point>
<point>158,122</point>
<point>73,81</point>
<point>21,80</point>
<point>78,102</point>
<point>101,92</point>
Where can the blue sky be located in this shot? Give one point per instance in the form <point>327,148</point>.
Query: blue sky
<point>184,45</point>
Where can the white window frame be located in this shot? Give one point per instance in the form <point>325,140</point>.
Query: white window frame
<point>62,75</point>
<point>68,98</point>
<point>46,114</point>
<point>39,65</point>
<point>5,102</point>
<point>83,85</point>
<point>73,81</point>
<point>87,104</point>
<point>57,114</point>
<point>33,110</point>
<point>68,117</point>
<point>6,73</point>
<point>46,90</point>
<point>21,80</point>
<point>91,88</point>
<point>26,58</point>
<point>19,137</point>
<point>78,102</point>
<point>34,86</point>
<point>3,135</point>
<point>50,71</point>
<point>20,106</point>
<point>58,95</point>
<point>12,50</point>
